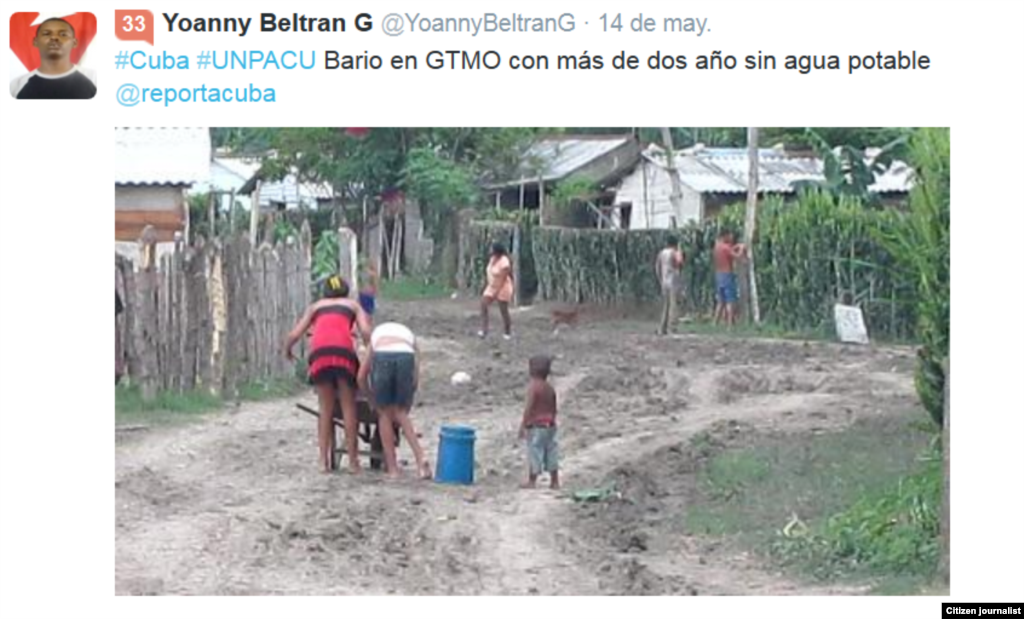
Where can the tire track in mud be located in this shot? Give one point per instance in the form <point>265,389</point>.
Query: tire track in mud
<point>234,505</point>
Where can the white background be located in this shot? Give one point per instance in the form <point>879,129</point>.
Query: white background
<point>56,219</point>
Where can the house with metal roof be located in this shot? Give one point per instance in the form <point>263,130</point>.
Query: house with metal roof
<point>153,169</point>
<point>712,178</point>
<point>233,180</point>
<point>599,159</point>
<point>286,193</point>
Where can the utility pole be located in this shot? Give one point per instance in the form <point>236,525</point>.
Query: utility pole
<point>751,220</point>
<point>676,197</point>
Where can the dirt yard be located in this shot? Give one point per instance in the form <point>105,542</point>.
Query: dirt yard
<point>234,505</point>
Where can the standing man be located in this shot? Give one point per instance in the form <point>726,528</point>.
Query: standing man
<point>726,252</point>
<point>56,77</point>
<point>667,267</point>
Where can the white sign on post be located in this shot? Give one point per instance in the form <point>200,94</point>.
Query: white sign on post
<point>850,325</point>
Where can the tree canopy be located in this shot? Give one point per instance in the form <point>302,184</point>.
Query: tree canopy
<point>443,163</point>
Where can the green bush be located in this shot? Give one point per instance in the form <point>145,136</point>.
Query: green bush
<point>326,256</point>
<point>808,253</point>
<point>896,533</point>
<point>920,244</point>
<point>480,237</point>
<point>811,252</point>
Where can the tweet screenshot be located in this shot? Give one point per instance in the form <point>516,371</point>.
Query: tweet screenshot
<point>421,303</point>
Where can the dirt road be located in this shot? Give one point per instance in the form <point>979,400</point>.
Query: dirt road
<point>235,505</point>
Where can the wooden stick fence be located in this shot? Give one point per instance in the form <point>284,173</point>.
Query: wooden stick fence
<point>212,316</point>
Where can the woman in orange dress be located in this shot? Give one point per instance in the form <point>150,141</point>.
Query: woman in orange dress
<point>499,288</point>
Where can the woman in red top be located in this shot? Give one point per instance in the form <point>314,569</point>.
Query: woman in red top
<point>333,364</point>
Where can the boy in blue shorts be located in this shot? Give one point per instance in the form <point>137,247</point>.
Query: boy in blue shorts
<point>725,253</point>
<point>538,427</point>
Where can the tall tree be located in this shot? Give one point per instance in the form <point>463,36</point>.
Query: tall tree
<point>438,166</point>
<point>920,243</point>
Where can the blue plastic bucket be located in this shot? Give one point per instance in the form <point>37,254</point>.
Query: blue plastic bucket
<point>455,455</point>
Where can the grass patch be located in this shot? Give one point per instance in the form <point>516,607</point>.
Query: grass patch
<point>895,533</point>
<point>412,288</point>
<point>268,390</point>
<point>856,503</point>
<point>170,408</point>
<point>131,409</point>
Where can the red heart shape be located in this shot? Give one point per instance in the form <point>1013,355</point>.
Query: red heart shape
<point>22,33</point>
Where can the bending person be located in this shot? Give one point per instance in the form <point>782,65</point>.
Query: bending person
<point>391,375</point>
<point>333,365</point>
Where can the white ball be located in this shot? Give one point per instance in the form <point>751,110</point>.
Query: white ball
<point>460,378</point>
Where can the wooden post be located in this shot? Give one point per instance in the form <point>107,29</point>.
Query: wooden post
<point>231,213</point>
<point>146,323</point>
<point>219,312</point>
<point>186,218</point>
<point>540,203</point>
<point>751,221</point>
<point>379,258</point>
<point>647,207</point>
<point>120,289</point>
<point>465,218</point>
<point>254,218</point>
<point>366,228</point>
<point>944,514</point>
<point>522,193</point>
<point>399,242</point>
<point>515,266</point>
<point>213,213</point>
<point>393,254</point>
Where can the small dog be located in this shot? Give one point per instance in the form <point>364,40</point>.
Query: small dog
<point>567,317</point>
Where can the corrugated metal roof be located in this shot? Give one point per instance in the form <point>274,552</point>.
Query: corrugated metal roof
<point>554,158</point>
<point>287,191</point>
<point>701,177</point>
<point>161,155</point>
<point>774,174</point>
<point>725,170</point>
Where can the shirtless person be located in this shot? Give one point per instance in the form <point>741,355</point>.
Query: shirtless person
<point>538,426</point>
<point>726,252</point>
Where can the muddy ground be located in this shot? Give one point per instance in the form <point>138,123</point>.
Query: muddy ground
<point>234,505</point>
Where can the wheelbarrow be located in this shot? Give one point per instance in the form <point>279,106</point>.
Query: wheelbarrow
<point>368,431</point>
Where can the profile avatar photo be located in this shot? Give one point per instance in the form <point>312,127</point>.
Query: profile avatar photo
<point>48,53</point>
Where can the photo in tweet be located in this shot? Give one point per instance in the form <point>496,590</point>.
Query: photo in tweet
<point>555,361</point>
